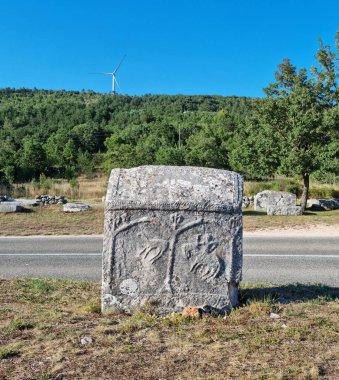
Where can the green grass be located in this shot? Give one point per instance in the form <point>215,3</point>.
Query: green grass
<point>6,353</point>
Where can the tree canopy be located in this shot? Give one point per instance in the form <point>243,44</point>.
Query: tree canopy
<point>294,131</point>
<point>64,134</point>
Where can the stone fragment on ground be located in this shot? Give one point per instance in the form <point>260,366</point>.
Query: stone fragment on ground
<point>11,207</point>
<point>274,316</point>
<point>76,207</point>
<point>284,210</point>
<point>86,340</point>
<point>173,235</point>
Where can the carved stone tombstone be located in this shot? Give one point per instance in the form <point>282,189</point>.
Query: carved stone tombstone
<point>173,238</point>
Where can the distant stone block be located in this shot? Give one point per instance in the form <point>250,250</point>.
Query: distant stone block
<point>10,207</point>
<point>273,198</point>
<point>26,202</point>
<point>283,210</point>
<point>173,238</point>
<point>76,207</point>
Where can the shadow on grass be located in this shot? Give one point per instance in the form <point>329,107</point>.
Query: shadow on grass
<point>310,213</point>
<point>26,211</point>
<point>253,212</point>
<point>289,293</point>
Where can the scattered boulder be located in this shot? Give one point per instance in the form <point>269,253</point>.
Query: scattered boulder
<point>273,198</point>
<point>274,316</point>
<point>50,199</point>
<point>76,207</point>
<point>323,204</point>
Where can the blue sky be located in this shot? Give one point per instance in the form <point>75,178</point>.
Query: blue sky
<point>218,47</point>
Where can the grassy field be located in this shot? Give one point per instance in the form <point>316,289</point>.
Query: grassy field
<point>42,323</point>
<point>94,188</point>
<point>51,220</point>
<point>258,220</point>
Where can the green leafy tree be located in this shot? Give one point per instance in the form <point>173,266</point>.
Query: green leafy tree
<point>207,148</point>
<point>294,130</point>
<point>168,155</point>
<point>8,163</point>
<point>32,158</point>
<point>70,153</point>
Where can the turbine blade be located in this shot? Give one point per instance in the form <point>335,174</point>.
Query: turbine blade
<point>103,73</point>
<point>117,84</point>
<point>117,68</point>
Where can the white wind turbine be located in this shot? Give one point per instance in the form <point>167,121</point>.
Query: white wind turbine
<point>113,74</point>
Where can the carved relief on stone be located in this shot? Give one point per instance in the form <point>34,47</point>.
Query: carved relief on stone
<point>172,235</point>
<point>199,250</point>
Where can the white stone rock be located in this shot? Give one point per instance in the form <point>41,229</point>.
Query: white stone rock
<point>10,207</point>
<point>283,210</point>
<point>86,340</point>
<point>273,198</point>
<point>26,202</point>
<point>76,207</point>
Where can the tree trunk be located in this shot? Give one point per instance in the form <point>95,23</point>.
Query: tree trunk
<point>304,197</point>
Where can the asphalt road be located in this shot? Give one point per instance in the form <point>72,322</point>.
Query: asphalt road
<point>278,260</point>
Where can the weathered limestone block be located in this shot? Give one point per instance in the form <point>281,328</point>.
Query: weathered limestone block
<point>10,207</point>
<point>273,198</point>
<point>26,202</point>
<point>173,238</point>
<point>283,210</point>
<point>76,207</point>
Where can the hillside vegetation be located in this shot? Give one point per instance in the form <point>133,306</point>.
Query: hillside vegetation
<point>294,131</point>
<point>63,134</point>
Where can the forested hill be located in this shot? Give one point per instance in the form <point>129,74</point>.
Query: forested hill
<point>66,133</point>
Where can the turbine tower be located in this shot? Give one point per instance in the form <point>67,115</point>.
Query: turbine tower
<point>113,74</point>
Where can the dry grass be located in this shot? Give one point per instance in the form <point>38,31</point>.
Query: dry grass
<point>92,189</point>
<point>258,220</point>
<point>42,323</point>
<point>51,220</point>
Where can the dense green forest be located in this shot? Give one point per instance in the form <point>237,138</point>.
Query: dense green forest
<point>64,134</point>
<point>293,131</point>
